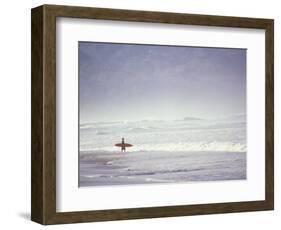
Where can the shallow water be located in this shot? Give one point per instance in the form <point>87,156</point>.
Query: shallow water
<point>107,168</point>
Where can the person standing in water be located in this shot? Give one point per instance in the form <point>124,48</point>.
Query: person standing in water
<point>123,145</point>
<point>123,148</point>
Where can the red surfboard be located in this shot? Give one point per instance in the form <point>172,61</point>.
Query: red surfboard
<point>123,145</point>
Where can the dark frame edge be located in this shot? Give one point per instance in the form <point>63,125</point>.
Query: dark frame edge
<point>158,212</point>
<point>43,118</point>
<point>155,16</point>
<point>37,200</point>
<point>269,110</point>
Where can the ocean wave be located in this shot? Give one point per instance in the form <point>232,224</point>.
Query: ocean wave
<point>97,129</point>
<point>178,147</point>
<point>140,129</point>
<point>102,133</point>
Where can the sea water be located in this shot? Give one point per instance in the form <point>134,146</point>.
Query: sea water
<point>163,151</point>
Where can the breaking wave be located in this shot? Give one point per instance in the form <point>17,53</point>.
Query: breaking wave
<point>180,147</point>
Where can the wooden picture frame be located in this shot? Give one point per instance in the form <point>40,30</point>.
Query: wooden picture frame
<point>43,189</point>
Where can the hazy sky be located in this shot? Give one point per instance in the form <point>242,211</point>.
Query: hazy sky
<point>136,82</point>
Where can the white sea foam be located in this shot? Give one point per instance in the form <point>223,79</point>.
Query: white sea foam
<point>228,135</point>
<point>178,147</point>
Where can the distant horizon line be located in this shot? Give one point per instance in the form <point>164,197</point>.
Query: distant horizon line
<point>187,118</point>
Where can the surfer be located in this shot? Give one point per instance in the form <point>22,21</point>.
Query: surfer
<point>123,148</point>
<point>123,145</point>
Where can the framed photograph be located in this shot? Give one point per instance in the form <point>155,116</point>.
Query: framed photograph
<point>140,114</point>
